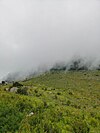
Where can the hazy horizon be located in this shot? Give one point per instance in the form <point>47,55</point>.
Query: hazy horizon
<point>36,33</point>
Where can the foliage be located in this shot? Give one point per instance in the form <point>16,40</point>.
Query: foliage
<point>22,90</point>
<point>80,126</point>
<point>58,102</point>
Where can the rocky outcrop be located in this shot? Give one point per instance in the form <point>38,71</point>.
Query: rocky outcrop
<point>14,89</point>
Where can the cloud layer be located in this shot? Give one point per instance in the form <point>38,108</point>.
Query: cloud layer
<point>42,32</point>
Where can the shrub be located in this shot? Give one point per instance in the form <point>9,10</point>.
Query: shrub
<point>24,106</point>
<point>80,126</point>
<point>16,84</point>
<point>22,91</point>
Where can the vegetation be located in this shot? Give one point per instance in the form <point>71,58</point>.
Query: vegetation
<point>54,102</point>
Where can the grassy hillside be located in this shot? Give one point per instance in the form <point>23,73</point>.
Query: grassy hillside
<point>55,102</point>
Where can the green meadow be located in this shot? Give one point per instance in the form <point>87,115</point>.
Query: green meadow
<point>53,102</point>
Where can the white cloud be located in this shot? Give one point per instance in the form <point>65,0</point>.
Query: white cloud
<point>34,32</point>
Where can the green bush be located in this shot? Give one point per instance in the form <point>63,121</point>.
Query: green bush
<point>23,91</point>
<point>80,126</point>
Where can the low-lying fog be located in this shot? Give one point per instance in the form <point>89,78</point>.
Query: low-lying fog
<point>36,33</point>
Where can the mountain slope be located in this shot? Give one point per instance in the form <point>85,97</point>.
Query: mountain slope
<point>55,102</point>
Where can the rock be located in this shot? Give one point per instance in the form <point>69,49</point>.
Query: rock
<point>14,89</point>
<point>30,114</point>
<point>6,89</point>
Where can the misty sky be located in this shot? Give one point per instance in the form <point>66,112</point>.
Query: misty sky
<point>41,32</point>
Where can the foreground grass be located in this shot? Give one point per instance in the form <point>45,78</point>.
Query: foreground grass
<point>57,102</point>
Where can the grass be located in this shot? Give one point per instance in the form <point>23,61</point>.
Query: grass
<point>61,102</point>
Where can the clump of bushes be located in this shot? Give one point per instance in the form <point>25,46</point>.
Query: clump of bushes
<point>17,84</point>
<point>22,91</point>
